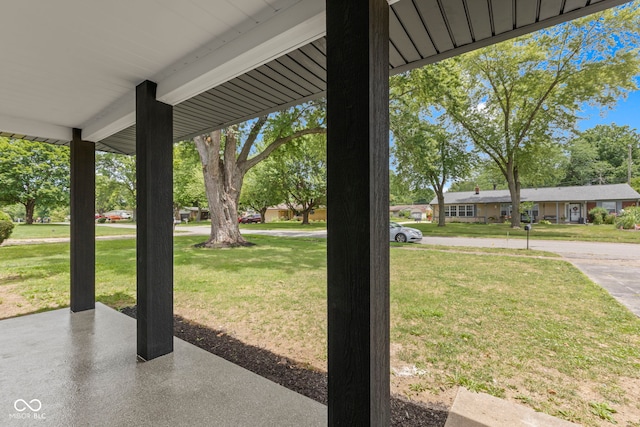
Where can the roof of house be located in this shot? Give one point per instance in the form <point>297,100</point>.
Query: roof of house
<point>551,194</point>
<point>285,207</point>
<point>398,208</point>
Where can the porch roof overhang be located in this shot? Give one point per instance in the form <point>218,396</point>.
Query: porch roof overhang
<point>74,64</point>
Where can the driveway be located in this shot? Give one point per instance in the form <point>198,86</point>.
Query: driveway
<point>614,266</point>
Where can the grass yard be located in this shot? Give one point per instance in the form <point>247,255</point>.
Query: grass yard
<point>43,231</point>
<point>522,326</point>
<point>598,233</point>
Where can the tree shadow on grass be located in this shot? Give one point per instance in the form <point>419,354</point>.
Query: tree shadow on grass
<point>290,374</point>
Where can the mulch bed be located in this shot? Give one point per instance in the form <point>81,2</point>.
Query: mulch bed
<point>289,374</point>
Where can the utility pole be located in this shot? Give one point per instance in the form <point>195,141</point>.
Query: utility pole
<point>629,168</point>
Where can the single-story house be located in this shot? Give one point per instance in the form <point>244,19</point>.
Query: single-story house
<point>557,204</point>
<point>194,213</point>
<point>417,212</point>
<point>283,212</point>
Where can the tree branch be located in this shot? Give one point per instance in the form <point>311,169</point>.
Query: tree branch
<point>251,139</point>
<point>277,143</point>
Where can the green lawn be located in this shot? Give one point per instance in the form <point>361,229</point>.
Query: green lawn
<point>531,329</point>
<point>599,233</point>
<point>42,231</point>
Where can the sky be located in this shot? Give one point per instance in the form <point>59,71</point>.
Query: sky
<point>626,112</point>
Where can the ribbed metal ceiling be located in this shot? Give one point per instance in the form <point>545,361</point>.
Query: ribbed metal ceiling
<point>421,32</point>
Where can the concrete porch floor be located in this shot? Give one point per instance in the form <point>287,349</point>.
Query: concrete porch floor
<point>82,369</point>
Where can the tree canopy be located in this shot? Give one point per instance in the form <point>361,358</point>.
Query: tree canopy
<point>600,155</point>
<point>300,172</point>
<point>516,101</point>
<point>33,174</point>
<point>115,181</point>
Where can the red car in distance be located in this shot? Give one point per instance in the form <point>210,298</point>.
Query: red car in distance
<point>255,218</point>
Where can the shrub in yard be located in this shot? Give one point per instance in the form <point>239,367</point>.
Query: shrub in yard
<point>102,220</point>
<point>610,219</point>
<point>544,221</point>
<point>629,218</point>
<point>6,227</point>
<point>596,215</point>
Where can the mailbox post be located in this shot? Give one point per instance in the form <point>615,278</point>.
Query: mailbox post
<point>528,230</point>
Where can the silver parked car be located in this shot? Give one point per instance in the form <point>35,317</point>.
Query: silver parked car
<point>398,233</point>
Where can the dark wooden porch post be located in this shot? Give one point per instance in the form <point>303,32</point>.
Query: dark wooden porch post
<point>358,211</point>
<point>83,231</point>
<point>154,192</point>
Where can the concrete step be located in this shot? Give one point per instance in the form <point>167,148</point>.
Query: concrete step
<point>482,410</point>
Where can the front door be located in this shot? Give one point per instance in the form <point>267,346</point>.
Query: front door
<point>574,212</point>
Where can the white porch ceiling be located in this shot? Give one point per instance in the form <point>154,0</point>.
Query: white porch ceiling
<point>75,63</point>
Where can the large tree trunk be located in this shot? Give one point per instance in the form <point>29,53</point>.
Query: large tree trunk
<point>305,216</point>
<point>513,182</point>
<point>30,207</point>
<point>224,169</point>
<point>222,182</point>
<point>442,220</point>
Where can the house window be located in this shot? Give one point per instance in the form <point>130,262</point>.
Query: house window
<point>609,206</point>
<point>459,210</point>
<point>505,209</point>
<point>469,209</point>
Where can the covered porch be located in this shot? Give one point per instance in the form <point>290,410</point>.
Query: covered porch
<point>132,78</point>
<point>77,369</point>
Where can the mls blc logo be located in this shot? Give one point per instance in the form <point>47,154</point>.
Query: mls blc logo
<point>21,405</point>
<point>34,406</point>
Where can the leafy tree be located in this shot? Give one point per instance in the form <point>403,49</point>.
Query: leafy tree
<point>426,152</point>
<point>227,155</point>
<point>15,211</point>
<point>188,183</point>
<point>404,193</point>
<point>515,100</point>
<point>261,190</point>
<point>121,171</point>
<point>485,175</point>
<point>635,183</point>
<point>33,174</point>
<point>300,168</point>
<point>108,194</point>
<point>600,155</point>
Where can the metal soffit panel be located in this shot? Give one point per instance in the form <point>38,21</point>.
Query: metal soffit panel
<point>421,32</point>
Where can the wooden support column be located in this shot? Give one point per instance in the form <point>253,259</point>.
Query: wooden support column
<point>154,192</point>
<point>358,212</point>
<point>83,228</point>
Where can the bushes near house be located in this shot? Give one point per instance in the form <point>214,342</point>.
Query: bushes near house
<point>629,218</point>
<point>597,215</point>
<point>6,226</point>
